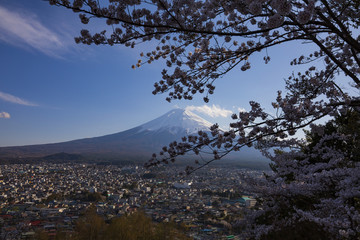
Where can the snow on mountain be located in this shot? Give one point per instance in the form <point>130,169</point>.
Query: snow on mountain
<point>177,121</point>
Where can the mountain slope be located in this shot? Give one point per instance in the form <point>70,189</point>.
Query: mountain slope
<point>134,144</point>
<point>141,140</point>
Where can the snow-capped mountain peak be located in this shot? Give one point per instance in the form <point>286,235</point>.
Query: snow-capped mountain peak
<point>177,120</point>
<point>135,143</point>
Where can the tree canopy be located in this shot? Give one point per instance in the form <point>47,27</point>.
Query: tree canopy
<point>135,226</point>
<point>202,40</point>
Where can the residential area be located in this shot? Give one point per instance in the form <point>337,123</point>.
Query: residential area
<point>51,197</point>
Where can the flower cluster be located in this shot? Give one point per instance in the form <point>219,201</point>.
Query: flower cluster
<point>203,40</point>
<point>318,185</point>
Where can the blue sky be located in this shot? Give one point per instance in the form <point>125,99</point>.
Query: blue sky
<point>53,90</point>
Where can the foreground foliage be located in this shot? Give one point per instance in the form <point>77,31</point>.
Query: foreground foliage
<point>314,192</point>
<point>136,226</point>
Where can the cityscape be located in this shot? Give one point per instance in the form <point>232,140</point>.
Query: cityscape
<point>51,197</point>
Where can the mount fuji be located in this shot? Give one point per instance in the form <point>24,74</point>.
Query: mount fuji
<point>133,144</point>
<point>142,140</point>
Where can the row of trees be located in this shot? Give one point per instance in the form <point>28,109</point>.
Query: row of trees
<point>136,226</point>
<point>315,184</point>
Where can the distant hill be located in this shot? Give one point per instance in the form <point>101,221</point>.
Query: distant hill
<point>53,158</point>
<point>133,145</point>
<point>63,157</point>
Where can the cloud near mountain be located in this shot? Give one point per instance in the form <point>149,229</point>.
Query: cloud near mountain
<point>212,111</point>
